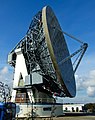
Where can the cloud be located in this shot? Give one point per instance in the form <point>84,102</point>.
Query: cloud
<point>6,76</point>
<point>79,82</point>
<point>4,70</point>
<point>91,91</point>
<point>87,83</point>
<point>92,74</point>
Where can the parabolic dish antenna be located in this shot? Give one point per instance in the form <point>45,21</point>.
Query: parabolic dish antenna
<point>43,66</point>
<point>58,51</point>
<point>44,46</point>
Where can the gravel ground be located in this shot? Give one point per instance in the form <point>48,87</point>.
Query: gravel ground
<point>76,118</point>
<point>65,118</point>
<point>72,118</point>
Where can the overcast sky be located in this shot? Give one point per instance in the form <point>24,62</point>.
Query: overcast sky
<point>76,17</point>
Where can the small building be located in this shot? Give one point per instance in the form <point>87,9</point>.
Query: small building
<point>73,107</point>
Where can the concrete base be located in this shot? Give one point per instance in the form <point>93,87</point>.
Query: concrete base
<point>38,110</point>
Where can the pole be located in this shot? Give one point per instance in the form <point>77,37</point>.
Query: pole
<point>32,111</point>
<point>32,94</point>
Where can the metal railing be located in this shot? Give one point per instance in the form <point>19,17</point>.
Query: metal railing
<point>37,100</point>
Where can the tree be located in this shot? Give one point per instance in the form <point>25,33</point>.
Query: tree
<point>90,106</point>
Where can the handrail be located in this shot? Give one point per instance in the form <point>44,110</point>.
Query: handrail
<point>37,100</point>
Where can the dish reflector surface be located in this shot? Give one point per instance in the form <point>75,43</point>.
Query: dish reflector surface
<point>58,51</point>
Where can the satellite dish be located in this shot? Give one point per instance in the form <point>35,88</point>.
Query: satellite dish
<point>58,51</point>
<point>44,45</point>
<point>43,67</point>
